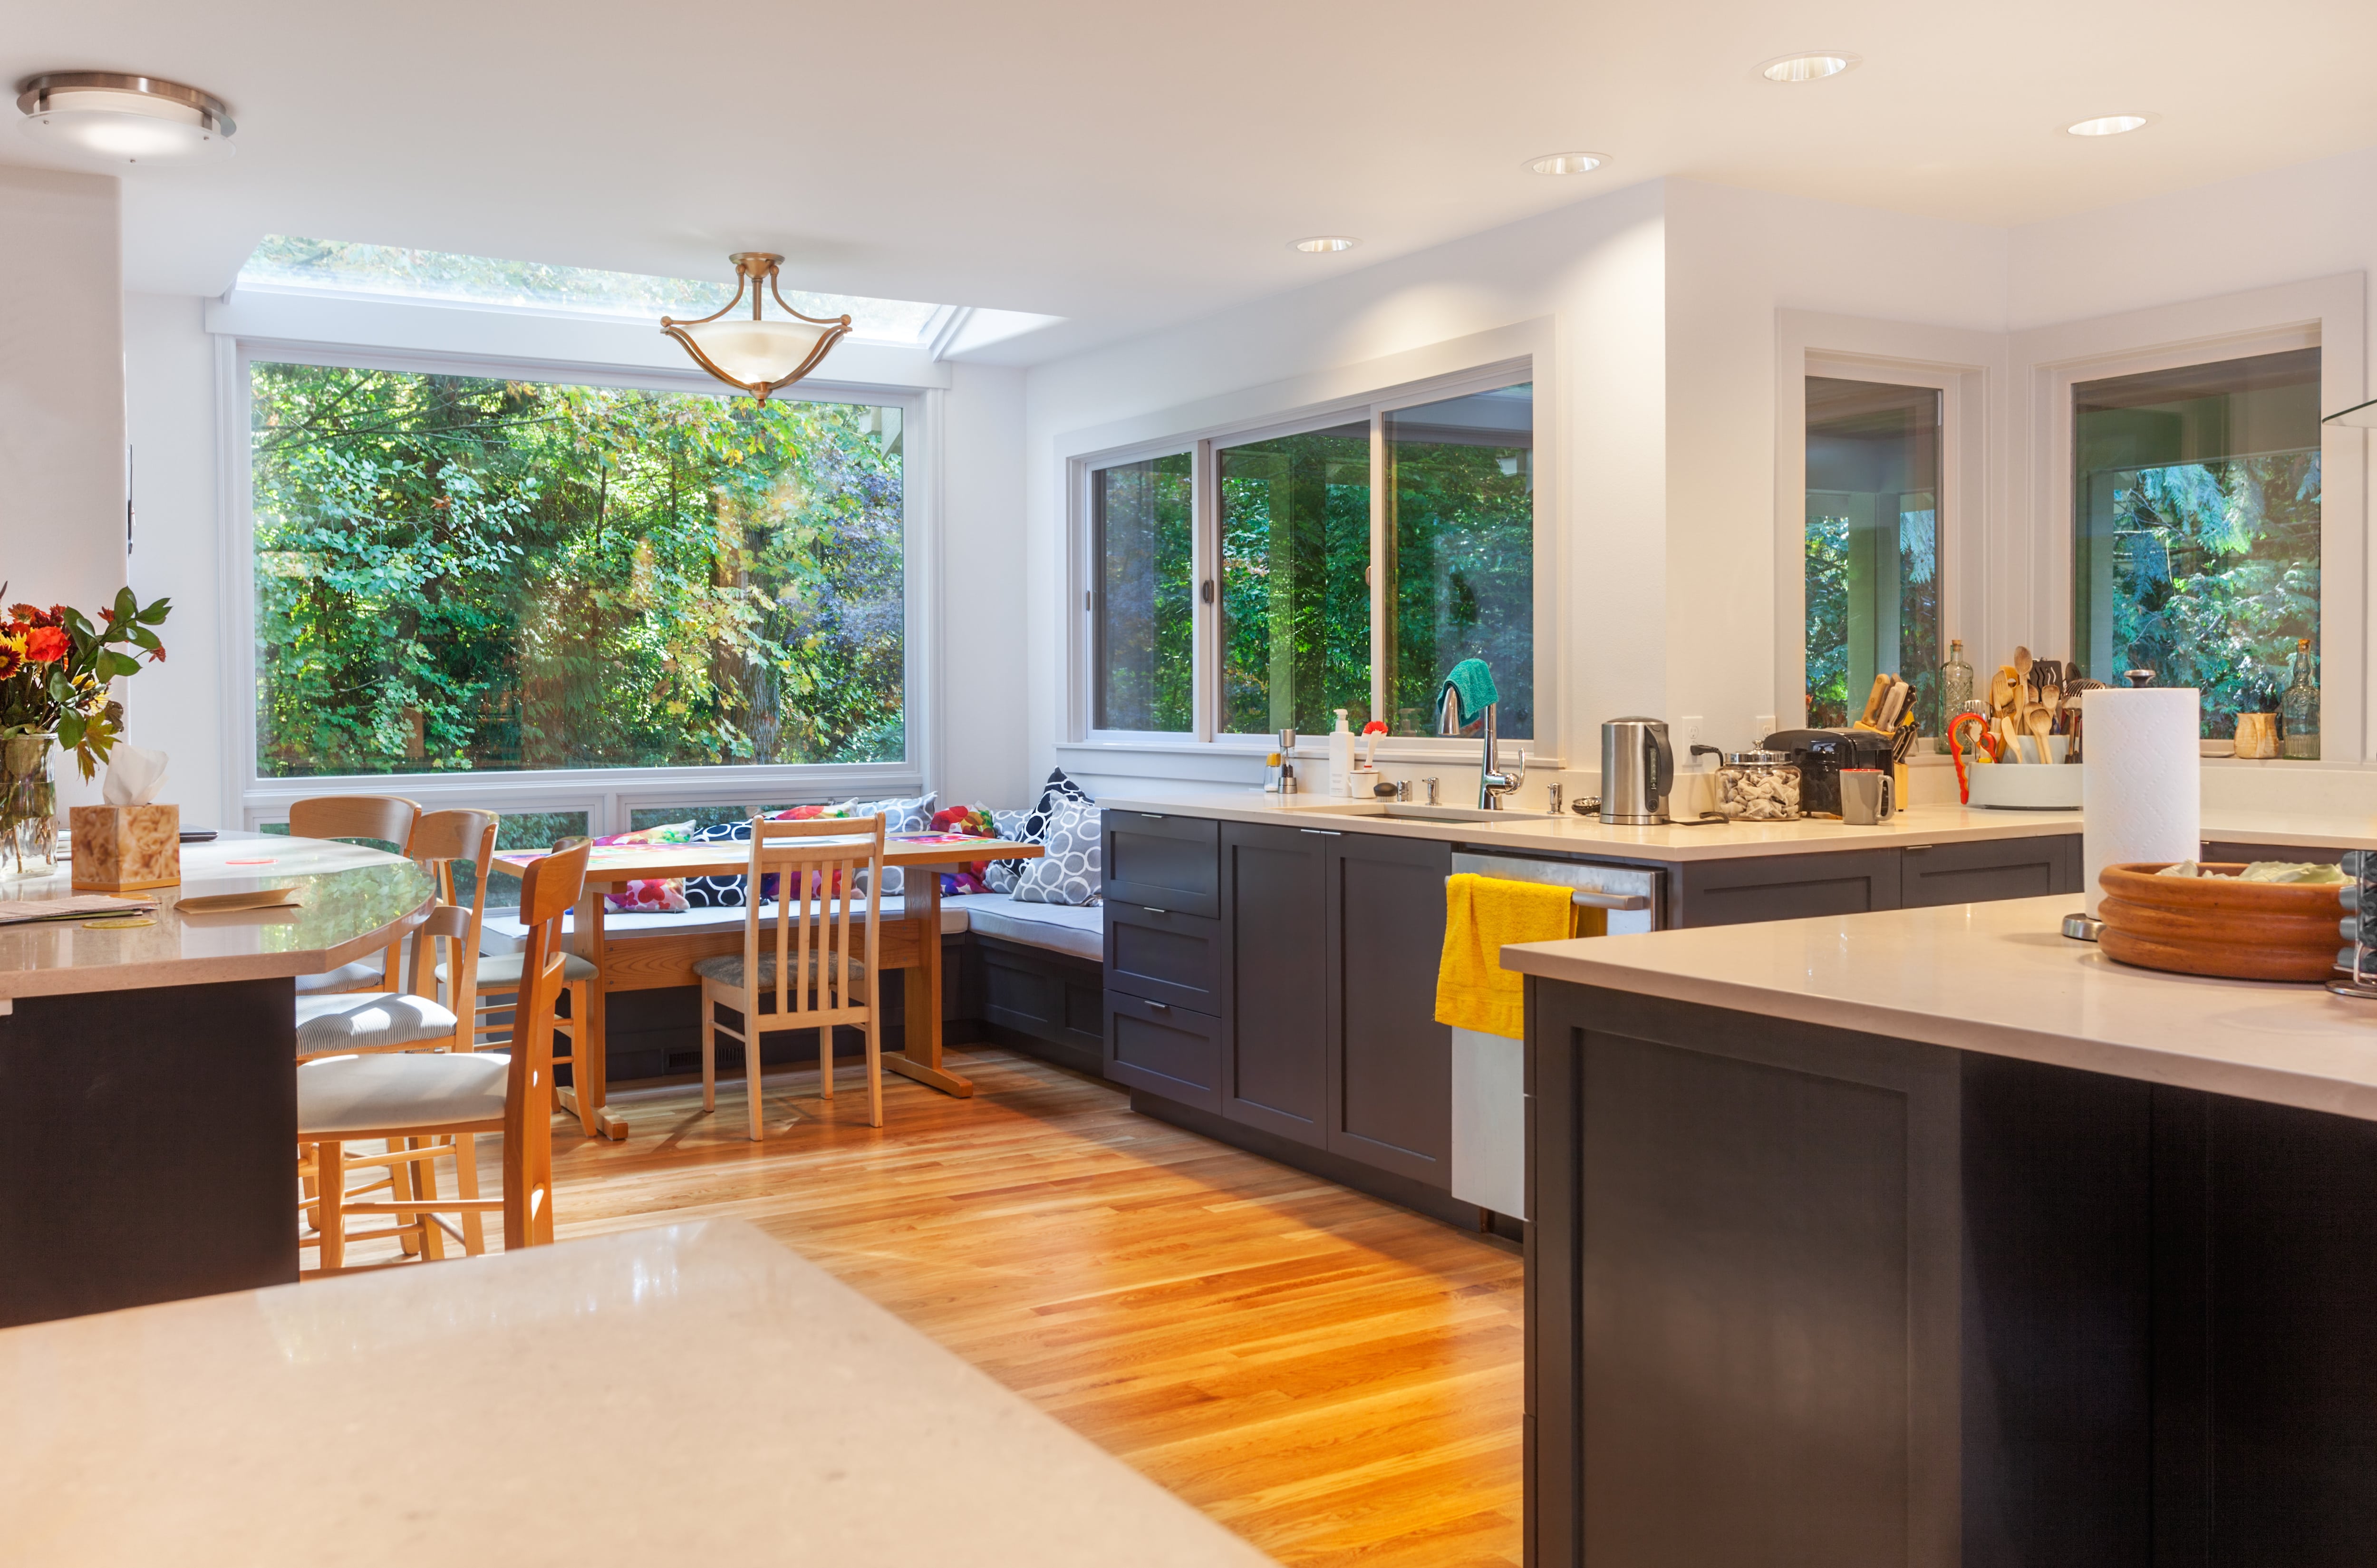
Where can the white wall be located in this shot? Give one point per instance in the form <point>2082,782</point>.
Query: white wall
<point>177,706</point>
<point>983,754</point>
<point>61,395</point>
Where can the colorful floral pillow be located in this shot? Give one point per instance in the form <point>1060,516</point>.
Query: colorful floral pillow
<point>657,896</point>
<point>970,877</point>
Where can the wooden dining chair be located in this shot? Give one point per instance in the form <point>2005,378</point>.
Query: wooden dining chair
<point>812,971</point>
<point>497,992</point>
<point>350,1023</point>
<point>434,1095</point>
<point>388,819</point>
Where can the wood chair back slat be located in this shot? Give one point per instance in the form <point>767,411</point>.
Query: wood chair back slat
<point>387,817</point>
<point>439,840</point>
<point>549,890</point>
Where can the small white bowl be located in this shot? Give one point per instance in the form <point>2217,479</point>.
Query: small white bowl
<point>2026,786</point>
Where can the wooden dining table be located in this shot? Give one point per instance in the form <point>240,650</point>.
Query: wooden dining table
<point>910,943</point>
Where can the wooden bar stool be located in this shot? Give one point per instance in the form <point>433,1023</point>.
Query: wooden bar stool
<point>815,971</point>
<point>497,988</point>
<point>433,1102</point>
<point>352,1022</point>
<point>385,818</point>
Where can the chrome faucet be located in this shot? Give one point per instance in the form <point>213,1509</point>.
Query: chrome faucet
<point>1491,786</point>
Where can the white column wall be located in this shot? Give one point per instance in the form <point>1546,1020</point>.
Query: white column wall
<point>61,395</point>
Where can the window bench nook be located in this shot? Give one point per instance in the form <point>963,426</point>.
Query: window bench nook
<point>1028,976</point>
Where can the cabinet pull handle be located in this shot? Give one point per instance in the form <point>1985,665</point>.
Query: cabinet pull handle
<point>1159,1007</point>
<point>1152,816</point>
<point>1914,849</point>
<point>1153,910</point>
<point>1324,832</point>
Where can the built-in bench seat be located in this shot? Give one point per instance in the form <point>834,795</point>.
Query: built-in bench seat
<point>1031,975</point>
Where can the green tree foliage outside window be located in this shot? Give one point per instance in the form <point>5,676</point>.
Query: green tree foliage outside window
<point>1143,516</point>
<point>459,573</point>
<point>2196,526</point>
<point>1295,595</point>
<point>1460,490</point>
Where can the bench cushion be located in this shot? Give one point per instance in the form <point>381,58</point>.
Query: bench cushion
<point>503,931</point>
<point>1058,927</point>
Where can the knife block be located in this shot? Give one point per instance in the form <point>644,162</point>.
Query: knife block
<point>122,848</point>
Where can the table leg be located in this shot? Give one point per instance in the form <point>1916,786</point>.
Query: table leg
<point>919,1056</point>
<point>590,1045</point>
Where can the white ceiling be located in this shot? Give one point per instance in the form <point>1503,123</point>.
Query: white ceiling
<point>1126,164</point>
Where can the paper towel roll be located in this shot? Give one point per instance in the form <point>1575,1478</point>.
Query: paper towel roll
<point>2144,797</point>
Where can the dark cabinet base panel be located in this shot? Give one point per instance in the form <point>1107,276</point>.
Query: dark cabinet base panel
<point>1417,1196</point>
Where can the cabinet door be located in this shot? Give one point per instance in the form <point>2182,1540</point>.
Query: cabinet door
<point>1161,861</point>
<point>1273,1041</point>
<point>1935,874</point>
<point>1390,1101</point>
<point>1787,887</point>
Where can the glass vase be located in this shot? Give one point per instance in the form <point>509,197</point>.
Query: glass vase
<point>2299,707</point>
<point>28,806</point>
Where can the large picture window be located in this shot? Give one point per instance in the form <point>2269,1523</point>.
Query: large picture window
<point>462,573</point>
<point>1349,566</point>
<point>2195,513</point>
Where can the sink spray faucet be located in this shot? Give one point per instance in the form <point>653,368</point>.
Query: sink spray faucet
<point>1491,786</point>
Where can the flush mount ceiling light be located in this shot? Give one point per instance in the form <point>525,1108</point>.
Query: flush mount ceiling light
<point>1567,162</point>
<point>1324,244</point>
<point>1808,67</point>
<point>755,353</point>
<point>2108,125</point>
<point>125,119</point>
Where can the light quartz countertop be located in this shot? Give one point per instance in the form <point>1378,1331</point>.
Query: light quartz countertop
<point>2002,978</point>
<point>695,1394</point>
<point>1521,832</point>
<point>354,899</point>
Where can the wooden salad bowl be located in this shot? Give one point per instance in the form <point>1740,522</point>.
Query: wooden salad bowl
<point>2216,924</point>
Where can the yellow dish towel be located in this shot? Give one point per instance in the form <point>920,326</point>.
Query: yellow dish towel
<point>1481,914</point>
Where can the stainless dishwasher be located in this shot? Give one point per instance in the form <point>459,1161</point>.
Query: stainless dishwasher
<point>1489,1103</point>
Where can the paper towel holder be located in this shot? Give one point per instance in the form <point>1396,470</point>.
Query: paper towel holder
<point>2082,927</point>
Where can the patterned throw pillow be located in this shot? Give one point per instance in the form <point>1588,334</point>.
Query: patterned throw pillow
<point>1070,871</point>
<point>660,895</point>
<point>974,819</point>
<point>913,815</point>
<point>1003,875</point>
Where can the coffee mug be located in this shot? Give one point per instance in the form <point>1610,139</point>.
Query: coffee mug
<point>1867,798</point>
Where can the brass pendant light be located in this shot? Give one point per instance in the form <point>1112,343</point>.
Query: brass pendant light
<point>754,354</point>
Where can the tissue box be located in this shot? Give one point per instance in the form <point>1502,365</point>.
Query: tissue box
<point>120,848</point>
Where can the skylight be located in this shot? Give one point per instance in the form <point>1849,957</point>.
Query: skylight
<point>284,262</point>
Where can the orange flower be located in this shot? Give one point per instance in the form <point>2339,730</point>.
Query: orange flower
<point>33,615</point>
<point>47,644</point>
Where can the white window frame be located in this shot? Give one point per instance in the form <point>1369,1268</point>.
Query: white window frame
<point>1965,368</point>
<point>608,795</point>
<point>1203,736</point>
<point>2326,314</point>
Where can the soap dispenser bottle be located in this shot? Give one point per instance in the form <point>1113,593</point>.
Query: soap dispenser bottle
<point>1340,755</point>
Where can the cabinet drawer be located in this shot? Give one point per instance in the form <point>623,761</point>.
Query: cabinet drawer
<point>1165,1051</point>
<point>1161,861</point>
<point>1932,875</point>
<point>1165,956</point>
<point>1787,887</point>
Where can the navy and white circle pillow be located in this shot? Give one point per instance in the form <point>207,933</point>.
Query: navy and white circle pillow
<point>908,815</point>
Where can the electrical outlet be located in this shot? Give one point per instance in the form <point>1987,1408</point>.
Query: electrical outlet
<point>1764,726</point>
<point>1692,725</point>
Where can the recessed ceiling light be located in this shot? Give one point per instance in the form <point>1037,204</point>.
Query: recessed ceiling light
<point>1568,163</point>
<point>1322,245</point>
<point>2108,125</point>
<point>1808,67</point>
<point>125,119</point>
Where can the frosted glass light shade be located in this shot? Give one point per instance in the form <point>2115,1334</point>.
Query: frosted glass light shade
<point>124,119</point>
<point>755,351</point>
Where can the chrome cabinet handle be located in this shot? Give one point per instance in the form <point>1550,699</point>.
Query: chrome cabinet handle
<point>1324,832</point>
<point>1152,816</point>
<point>1159,1007</point>
<point>1153,910</point>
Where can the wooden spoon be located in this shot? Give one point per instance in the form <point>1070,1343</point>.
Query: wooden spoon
<point>2041,722</point>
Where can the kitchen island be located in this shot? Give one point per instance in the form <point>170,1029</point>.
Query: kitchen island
<point>149,1075</point>
<point>1929,1236</point>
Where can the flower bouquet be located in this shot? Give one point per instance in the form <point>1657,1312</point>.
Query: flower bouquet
<point>56,669</point>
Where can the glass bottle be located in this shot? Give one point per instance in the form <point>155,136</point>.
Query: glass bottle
<point>2299,709</point>
<point>1955,688</point>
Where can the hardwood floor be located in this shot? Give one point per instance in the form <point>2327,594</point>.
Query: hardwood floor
<point>1334,1378</point>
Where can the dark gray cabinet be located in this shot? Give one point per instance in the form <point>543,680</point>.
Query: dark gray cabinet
<point>1274,997</point>
<point>1389,1062</point>
<point>1165,956</point>
<point>1935,874</point>
<point>1160,861</point>
<point>1784,887</point>
<point>1165,1050</point>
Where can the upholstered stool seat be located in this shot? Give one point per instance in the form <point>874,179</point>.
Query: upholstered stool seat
<point>343,1095</point>
<point>727,969</point>
<point>359,975</point>
<point>371,1020</point>
<point>500,971</point>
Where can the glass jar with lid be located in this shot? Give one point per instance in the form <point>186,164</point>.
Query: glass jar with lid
<point>1758,786</point>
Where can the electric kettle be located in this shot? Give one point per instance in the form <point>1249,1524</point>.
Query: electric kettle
<point>1638,770</point>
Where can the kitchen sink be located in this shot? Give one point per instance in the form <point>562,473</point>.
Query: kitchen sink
<point>1435,813</point>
